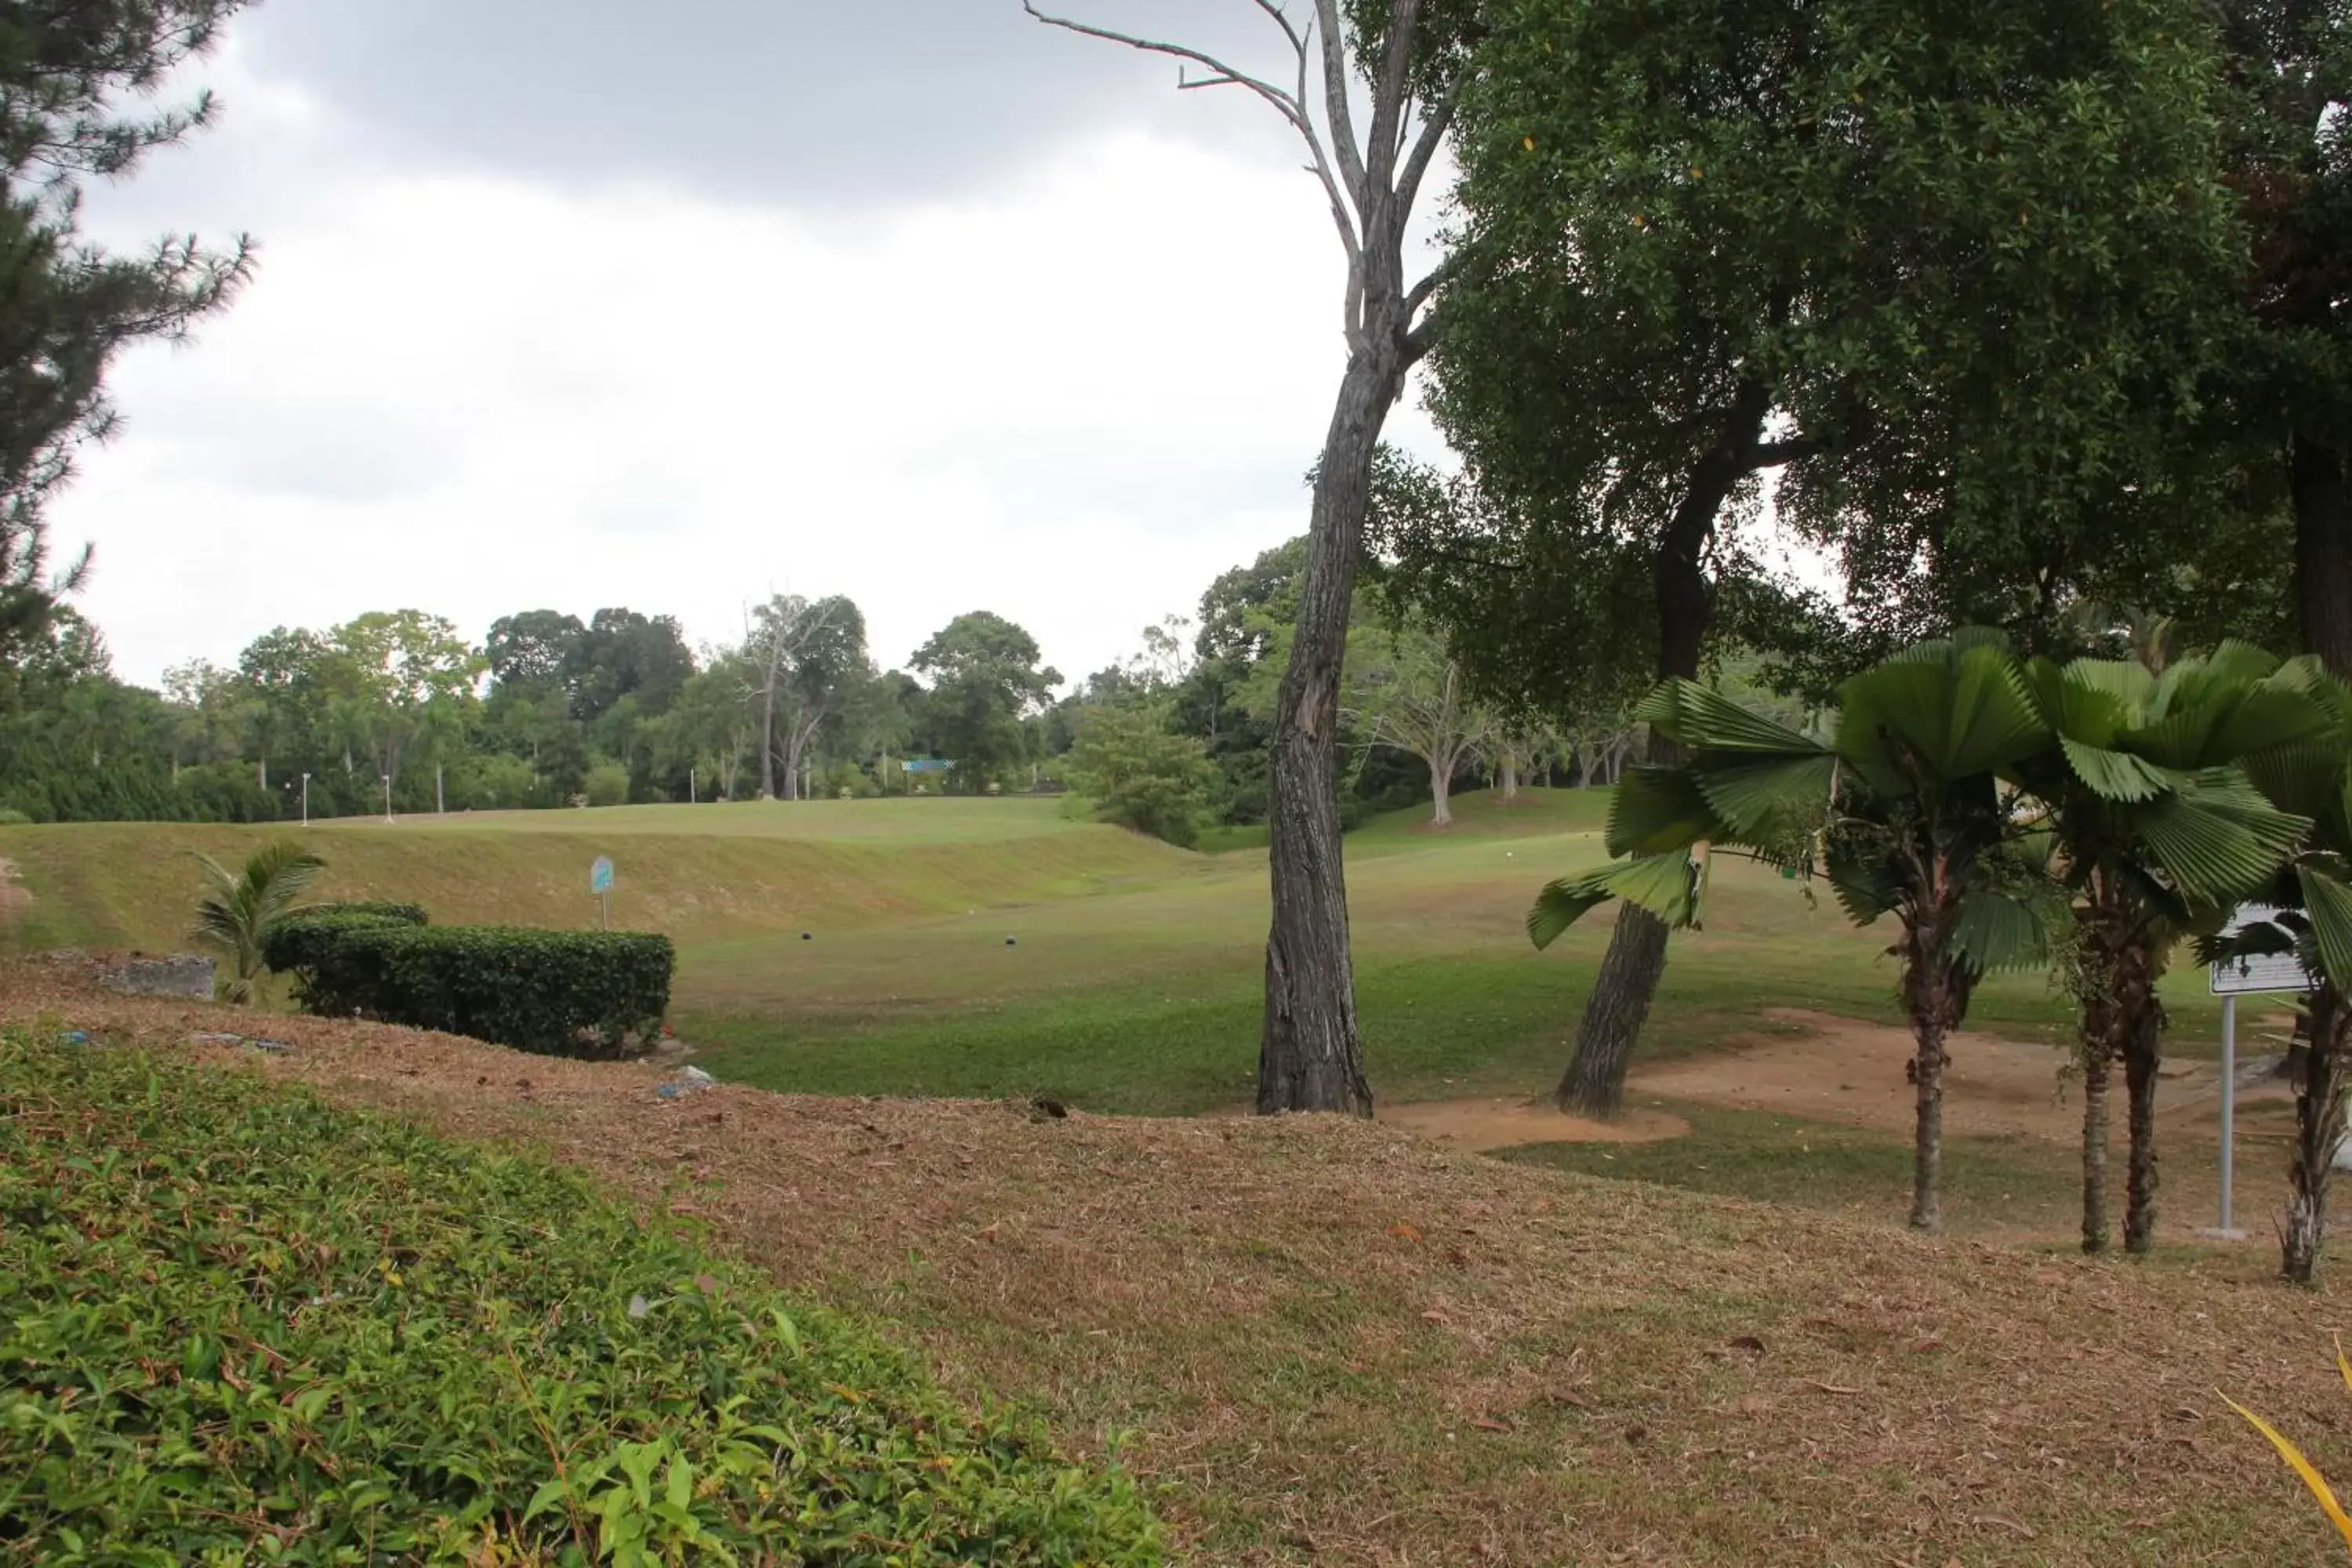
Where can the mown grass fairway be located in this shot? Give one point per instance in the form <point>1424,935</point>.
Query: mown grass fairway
<point>1133,980</point>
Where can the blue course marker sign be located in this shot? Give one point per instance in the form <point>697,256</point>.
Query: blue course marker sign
<point>600,875</point>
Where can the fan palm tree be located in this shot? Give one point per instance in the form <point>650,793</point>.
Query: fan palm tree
<point>1904,813</point>
<point>2156,831</point>
<point>235,916</point>
<point>2313,898</point>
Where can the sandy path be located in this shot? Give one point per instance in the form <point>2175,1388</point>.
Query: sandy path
<point>1829,1068</point>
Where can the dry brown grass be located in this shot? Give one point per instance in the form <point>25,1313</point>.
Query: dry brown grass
<point>1333,1342</point>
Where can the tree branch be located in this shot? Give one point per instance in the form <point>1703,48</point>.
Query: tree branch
<point>1772,454</point>
<point>1389,96</point>
<point>1335,104</point>
<point>1292,106</point>
<point>1289,107</point>
<point>1434,127</point>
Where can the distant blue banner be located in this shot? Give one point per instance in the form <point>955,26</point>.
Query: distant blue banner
<point>927,765</point>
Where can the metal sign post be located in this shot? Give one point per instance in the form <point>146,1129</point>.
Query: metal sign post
<point>600,882</point>
<point>2254,975</point>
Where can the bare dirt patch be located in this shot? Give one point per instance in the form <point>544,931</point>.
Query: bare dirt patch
<point>1478,1125</point>
<point>1842,1069</point>
<point>1341,1343</point>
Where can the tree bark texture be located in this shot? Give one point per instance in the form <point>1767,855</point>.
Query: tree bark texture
<point>1510,775</point>
<point>1620,1004</point>
<point>2318,1129</point>
<point>1440,791</point>
<point>1594,1084</point>
<point>1929,1033</point>
<point>2323,551</point>
<point>1311,1052</point>
<point>2099,1067</point>
<point>2143,1054</point>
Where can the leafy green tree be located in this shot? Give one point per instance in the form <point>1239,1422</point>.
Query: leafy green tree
<point>401,662</point>
<point>76,103</point>
<point>236,912</point>
<point>1903,813</point>
<point>537,648</point>
<point>2157,832</point>
<point>1930,277</point>
<point>1135,773</point>
<point>1405,691</point>
<point>984,681</point>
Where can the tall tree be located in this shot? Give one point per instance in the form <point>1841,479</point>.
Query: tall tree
<point>1927,276</point>
<point>985,680</point>
<point>1406,690</point>
<point>1408,58</point>
<point>75,83</point>
<point>802,653</point>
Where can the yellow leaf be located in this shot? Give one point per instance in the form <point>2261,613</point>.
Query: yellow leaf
<point>2294,1456</point>
<point>1528,142</point>
<point>2343,1365</point>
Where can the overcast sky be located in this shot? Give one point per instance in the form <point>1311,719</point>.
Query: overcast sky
<point>574,304</point>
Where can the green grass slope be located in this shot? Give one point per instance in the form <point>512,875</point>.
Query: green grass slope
<point>243,1325</point>
<point>696,875</point>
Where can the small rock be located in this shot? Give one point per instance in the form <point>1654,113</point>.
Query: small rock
<point>808,936</point>
<point>209,1039</point>
<point>1009,941</point>
<point>275,1047</point>
<point>696,1077</point>
<point>1047,1105</point>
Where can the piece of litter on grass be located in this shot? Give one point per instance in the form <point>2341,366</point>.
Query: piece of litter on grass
<point>666,1090</point>
<point>639,1306</point>
<point>216,1039</point>
<point>698,1078</point>
<point>275,1047</point>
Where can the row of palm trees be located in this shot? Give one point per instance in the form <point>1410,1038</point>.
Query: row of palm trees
<point>2013,811</point>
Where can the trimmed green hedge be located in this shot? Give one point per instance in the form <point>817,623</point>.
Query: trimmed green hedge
<point>302,939</point>
<point>240,1325</point>
<point>598,994</point>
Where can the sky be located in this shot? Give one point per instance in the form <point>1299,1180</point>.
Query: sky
<point>562,306</point>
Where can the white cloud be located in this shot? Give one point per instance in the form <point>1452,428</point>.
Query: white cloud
<point>1072,400</point>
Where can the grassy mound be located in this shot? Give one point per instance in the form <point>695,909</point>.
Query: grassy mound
<point>239,1324</point>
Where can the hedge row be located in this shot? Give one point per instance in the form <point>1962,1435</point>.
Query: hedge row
<point>596,994</point>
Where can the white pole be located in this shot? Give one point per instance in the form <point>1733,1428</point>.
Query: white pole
<point>306,800</point>
<point>387,797</point>
<point>2228,1100</point>
<point>690,798</point>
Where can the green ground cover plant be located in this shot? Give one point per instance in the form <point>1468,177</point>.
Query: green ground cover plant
<point>238,1325</point>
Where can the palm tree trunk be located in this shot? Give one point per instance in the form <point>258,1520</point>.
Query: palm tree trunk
<point>2098,1066</point>
<point>1929,1030</point>
<point>2142,1057</point>
<point>2318,1129</point>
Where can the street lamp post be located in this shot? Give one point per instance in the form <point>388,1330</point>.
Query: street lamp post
<point>306,800</point>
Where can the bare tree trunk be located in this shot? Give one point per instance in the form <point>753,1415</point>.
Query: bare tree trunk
<point>440,799</point>
<point>262,764</point>
<point>1441,790</point>
<point>1594,1084</point>
<point>2143,1054</point>
<point>2097,1068</point>
<point>2318,1130</point>
<point>1510,775</point>
<point>1613,1015</point>
<point>1929,1030</point>
<point>1311,1053</point>
<point>2323,551</point>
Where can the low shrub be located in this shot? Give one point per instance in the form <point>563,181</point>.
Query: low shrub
<point>597,994</point>
<point>299,941</point>
<point>240,1325</point>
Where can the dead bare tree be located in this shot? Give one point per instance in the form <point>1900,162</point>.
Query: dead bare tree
<point>1311,1053</point>
<point>774,635</point>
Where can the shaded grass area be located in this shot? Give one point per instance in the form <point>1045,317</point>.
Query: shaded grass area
<point>243,1324</point>
<point>1988,1183</point>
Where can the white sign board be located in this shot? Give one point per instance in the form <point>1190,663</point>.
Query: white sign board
<point>2261,971</point>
